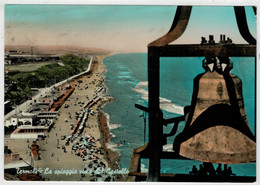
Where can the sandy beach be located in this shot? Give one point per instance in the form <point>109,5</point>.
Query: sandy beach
<point>59,161</point>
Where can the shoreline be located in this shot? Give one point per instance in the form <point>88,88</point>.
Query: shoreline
<point>111,156</point>
<point>96,126</point>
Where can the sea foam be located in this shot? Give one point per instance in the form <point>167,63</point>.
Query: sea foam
<point>165,104</point>
<point>109,124</point>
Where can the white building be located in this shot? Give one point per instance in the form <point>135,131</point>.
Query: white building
<point>23,120</point>
<point>32,125</point>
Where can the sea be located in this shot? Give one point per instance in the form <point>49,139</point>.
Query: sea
<point>126,79</point>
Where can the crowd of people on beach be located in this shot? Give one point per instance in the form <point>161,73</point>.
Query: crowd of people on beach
<point>78,143</point>
<point>83,145</point>
<point>86,148</point>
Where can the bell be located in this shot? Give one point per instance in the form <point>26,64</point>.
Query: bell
<point>216,128</point>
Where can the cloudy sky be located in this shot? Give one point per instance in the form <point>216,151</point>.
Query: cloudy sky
<point>116,28</point>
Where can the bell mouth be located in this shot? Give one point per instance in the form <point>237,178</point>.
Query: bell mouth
<point>217,135</point>
<point>220,144</point>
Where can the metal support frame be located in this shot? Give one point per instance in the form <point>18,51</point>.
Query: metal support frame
<point>242,24</point>
<point>160,48</point>
<point>155,117</point>
<point>155,126</point>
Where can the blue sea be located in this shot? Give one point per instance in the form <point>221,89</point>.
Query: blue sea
<point>126,70</point>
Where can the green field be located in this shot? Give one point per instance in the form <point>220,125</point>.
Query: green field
<point>27,67</point>
<point>38,75</point>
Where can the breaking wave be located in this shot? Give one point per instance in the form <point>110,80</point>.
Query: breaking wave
<point>110,125</point>
<point>165,104</point>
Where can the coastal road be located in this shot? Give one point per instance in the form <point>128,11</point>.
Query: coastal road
<point>55,158</point>
<point>43,92</point>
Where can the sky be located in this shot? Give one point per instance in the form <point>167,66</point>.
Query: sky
<point>115,27</point>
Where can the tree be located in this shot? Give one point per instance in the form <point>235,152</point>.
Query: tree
<point>44,76</point>
<point>18,92</point>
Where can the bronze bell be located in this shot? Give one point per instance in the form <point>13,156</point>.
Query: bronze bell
<point>216,128</point>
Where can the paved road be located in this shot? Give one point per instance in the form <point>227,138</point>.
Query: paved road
<point>43,92</point>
